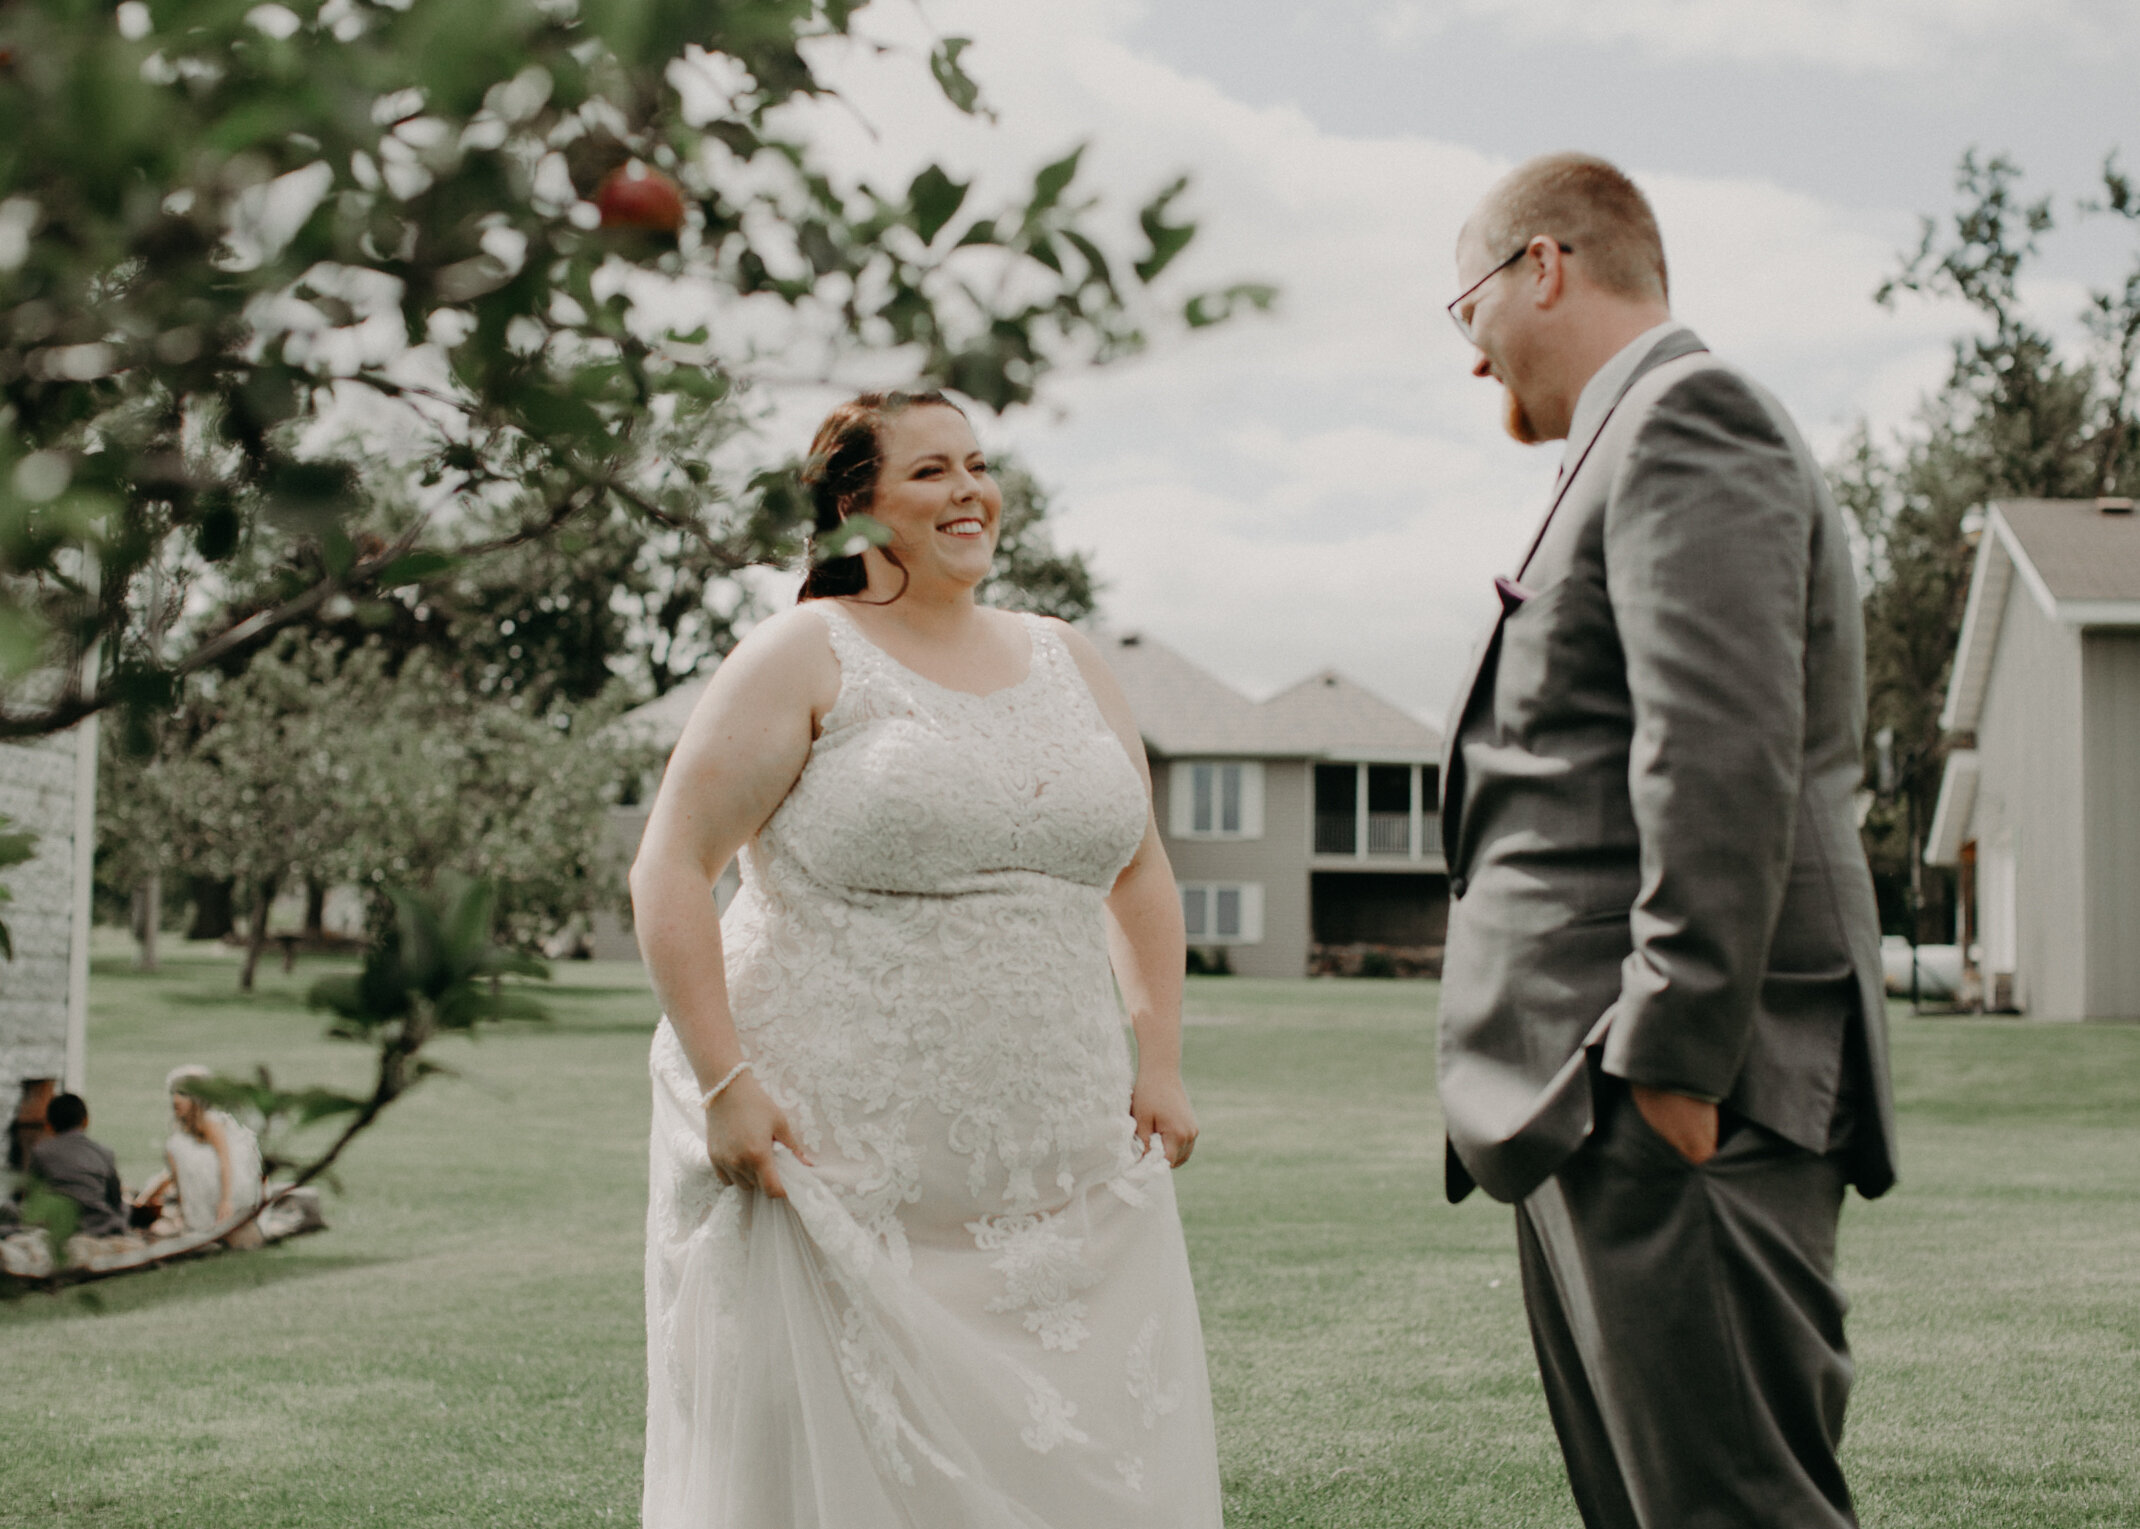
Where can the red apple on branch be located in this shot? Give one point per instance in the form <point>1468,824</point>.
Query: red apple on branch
<point>636,196</point>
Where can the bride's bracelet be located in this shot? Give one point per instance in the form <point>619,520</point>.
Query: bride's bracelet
<point>706,1100</point>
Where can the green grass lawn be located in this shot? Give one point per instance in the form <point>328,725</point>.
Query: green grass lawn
<point>463,1347</point>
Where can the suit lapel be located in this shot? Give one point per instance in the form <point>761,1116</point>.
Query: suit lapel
<point>1681,342</point>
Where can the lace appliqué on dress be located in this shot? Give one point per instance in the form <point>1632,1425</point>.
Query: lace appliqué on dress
<point>1042,1273</point>
<point>1157,1400</point>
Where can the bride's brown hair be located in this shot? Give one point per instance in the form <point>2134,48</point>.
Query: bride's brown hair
<point>846,457</point>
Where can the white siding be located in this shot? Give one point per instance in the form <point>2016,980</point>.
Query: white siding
<point>2110,695</point>
<point>2029,796</point>
<point>40,988</point>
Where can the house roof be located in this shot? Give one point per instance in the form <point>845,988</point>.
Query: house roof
<point>1184,710</point>
<point>2077,551</point>
<point>1179,708</point>
<point>2079,560</point>
<point>1329,714</point>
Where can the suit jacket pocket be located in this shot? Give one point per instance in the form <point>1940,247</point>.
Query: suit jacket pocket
<point>1794,1066</point>
<point>1559,654</point>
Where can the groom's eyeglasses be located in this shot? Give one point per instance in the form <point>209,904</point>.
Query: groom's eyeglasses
<point>1460,316</point>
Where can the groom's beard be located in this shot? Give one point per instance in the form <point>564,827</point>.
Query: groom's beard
<point>1516,421</point>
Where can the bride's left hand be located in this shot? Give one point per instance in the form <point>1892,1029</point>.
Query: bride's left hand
<point>1160,1105</point>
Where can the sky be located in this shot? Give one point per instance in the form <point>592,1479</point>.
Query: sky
<point>1327,486</point>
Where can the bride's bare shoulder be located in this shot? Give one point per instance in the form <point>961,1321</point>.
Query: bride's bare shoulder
<point>786,654</point>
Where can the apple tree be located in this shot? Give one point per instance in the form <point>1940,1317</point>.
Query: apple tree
<point>541,255</point>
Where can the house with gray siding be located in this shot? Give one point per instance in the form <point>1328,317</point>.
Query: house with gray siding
<point>2039,809</point>
<point>1302,829</point>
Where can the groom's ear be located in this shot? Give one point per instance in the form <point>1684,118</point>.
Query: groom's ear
<point>1546,261</point>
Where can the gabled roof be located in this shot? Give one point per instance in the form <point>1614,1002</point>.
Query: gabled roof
<point>2082,554</point>
<point>1329,715</point>
<point>2079,560</point>
<point>1183,710</point>
<point>1179,708</point>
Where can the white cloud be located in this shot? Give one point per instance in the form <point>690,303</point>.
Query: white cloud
<point>1849,35</point>
<point>1329,485</point>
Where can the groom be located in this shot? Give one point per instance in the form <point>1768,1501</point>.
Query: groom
<point>1662,1032</point>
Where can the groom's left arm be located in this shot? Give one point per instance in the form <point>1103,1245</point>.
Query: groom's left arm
<point>1708,537</point>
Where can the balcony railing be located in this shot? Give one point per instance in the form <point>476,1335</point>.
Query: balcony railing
<point>1335,834</point>
<point>1389,833</point>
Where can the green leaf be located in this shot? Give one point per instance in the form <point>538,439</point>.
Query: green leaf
<point>958,86</point>
<point>1208,308</point>
<point>855,533</point>
<point>414,568</point>
<point>312,493</point>
<point>1096,263</point>
<point>1052,181</point>
<point>694,382</point>
<point>337,551</point>
<point>1167,239</point>
<point>560,420</point>
<point>933,200</point>
<point>56,1213</point>
<point>316,1104</point>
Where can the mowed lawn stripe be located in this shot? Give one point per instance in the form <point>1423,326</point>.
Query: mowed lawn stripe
<point>464,1346</point>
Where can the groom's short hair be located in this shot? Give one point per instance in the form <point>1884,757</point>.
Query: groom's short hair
<point>1587,204</point>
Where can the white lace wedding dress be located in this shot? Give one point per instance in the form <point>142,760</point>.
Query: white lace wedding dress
<point>974,1312</point>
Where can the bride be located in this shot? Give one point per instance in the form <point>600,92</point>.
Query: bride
<point>913,1256</point>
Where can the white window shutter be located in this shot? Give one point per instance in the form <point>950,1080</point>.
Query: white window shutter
<point>1252,913</point>
<point>1181,788</point>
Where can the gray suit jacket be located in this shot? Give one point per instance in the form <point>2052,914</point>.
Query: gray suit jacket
<point>86,1173</point>
<point>1649,799</point>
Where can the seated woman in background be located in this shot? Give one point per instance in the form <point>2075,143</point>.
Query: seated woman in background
<point>211,1160</point>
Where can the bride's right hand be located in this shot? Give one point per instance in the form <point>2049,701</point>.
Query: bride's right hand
<point>741,1128</point>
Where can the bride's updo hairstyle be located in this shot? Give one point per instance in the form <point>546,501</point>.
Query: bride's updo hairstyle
<point>846,457</point>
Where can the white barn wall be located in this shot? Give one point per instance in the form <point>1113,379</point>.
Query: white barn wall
<point>40,1031</point>
<point>2028,743</point>
<point>2110,699</point>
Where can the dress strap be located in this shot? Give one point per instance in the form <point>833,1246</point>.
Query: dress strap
<point>1047,647</point>
<point>849,646</point>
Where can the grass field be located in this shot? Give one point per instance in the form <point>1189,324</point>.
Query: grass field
<point>463,1348</point>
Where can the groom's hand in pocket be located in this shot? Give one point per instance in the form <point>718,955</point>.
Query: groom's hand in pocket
<point>1160,1106</point>
<point>741,1129</point>
<point>1688,1124</point>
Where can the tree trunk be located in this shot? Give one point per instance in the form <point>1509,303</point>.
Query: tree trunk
<point>256,935</point>
<point>315,910</point>
<point>148,920</point>
<point>213,908</point>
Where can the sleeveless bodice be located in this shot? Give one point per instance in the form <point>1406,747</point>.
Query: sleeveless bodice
<point>913,787</point>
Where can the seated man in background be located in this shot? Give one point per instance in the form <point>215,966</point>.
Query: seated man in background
<point>69,1163</point>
